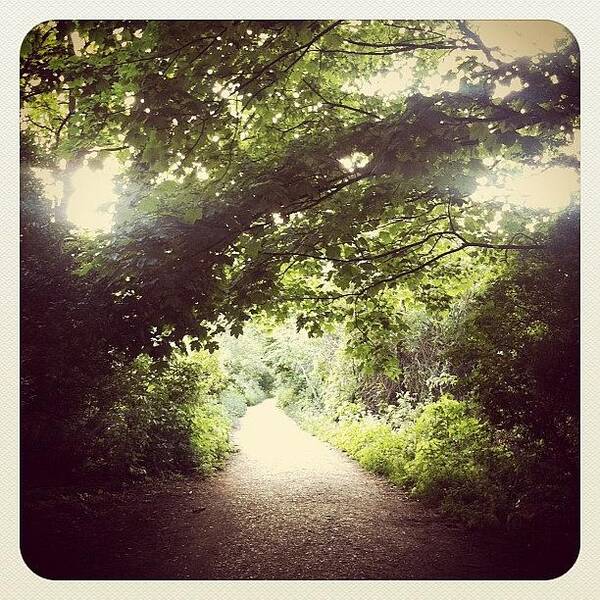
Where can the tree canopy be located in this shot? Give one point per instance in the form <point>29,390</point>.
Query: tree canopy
<point>260,170</point>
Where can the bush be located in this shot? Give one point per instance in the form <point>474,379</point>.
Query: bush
<point>209,436</point>
<point>384,454</point>
<point>373,443</point>
<point>234,404</point>
<point>447,457</point>
<point>354,436</point>
<point>450,460</point>
<point>164,417</point>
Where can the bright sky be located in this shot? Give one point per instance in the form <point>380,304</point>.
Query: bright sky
<point>93,202</point>
<point>550,188</point>
<point>535,188</point>
<point>520,38</point>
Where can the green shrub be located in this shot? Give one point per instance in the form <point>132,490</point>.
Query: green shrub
<point>450,458</point>
<point>447,457</point>
<point>163,417</point>
<point>234,403</point>
<point>372,443</point>
<point>209,436</point>
<point>385,454</point>
<point>355,436</point>
<point>285,397</point>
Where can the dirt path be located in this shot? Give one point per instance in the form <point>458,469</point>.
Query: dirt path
<point>287,506</point>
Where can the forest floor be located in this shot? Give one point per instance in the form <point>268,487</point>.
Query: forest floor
<point>286,506</point>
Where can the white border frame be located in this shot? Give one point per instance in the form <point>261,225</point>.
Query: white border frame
<point>17,581</point>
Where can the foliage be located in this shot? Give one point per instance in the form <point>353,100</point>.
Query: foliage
<point>523,368</point>
<point>452,461</point>
<point>209,437</point>
<point>505,454</point>
<point>261,179</point>
<point>261,172</point>
<point>163,417</point>
<point>295,359</point>
<point>446,457</point>
<point>250,377</point>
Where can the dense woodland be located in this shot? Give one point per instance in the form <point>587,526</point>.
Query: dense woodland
<point>281,232</point>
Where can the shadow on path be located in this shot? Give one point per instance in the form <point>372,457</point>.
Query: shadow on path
<point>287,506</point>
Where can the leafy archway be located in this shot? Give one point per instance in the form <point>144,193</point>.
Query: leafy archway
<point>261,173</point>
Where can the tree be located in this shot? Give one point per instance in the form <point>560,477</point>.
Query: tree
<point>64,349</point>
<point>261,173</point>
<point>523,368</point>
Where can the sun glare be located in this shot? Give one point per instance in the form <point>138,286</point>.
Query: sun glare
<point>92,204</point>
<point>550,189</point>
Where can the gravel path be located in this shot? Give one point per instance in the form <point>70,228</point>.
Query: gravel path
<point>287,506</point>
